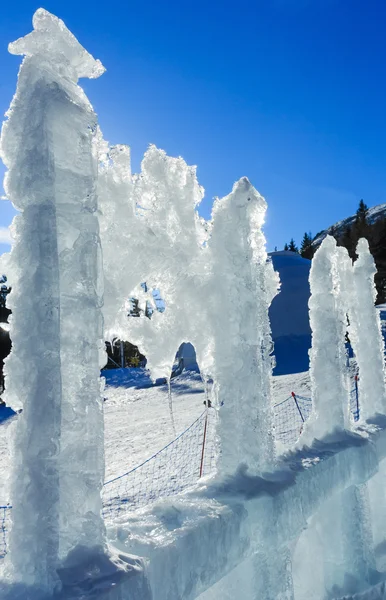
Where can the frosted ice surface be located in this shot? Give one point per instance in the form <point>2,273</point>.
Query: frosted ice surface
<point>53,42</point>
<point>244,286</point>
<point>56,323</point>
<point>366,335</point>
<point>328,320</point>
<point>213,277</point>
<point>154,229</point>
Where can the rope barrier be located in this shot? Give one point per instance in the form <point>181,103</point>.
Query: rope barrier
<point>190,456</point>
<point>173,469</point>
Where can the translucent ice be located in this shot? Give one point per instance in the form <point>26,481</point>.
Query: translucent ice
<point>56,324</point>
<point>244,285</point>
<point>214,278</point>
<point>366,335</point>
<point>328,320</point>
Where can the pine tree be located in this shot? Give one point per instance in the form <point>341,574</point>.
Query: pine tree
<point>377,242</point>
<point>4,291</point>
<point>347,240</point>
<point>306,249</point>
<point>285,247</point>
<point>361,213</point>
<point>292,246</point>
<point>361,225</point>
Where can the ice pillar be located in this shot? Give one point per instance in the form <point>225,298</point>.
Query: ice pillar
<point>245,285</point>
<point>366,335</point>
<point>56,327</point>
<point>328,320</point>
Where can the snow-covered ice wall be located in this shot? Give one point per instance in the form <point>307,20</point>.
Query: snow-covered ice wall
<point>56,323</point>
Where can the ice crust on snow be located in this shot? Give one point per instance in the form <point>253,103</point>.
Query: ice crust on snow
<point>53,370</point>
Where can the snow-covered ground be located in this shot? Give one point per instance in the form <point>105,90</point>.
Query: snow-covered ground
<point>138,421</point>
<point>137,417</point>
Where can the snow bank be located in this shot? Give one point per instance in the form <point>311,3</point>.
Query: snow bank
<point>288,313</point>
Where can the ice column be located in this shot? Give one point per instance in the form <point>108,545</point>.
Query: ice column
<point>56,300</point>
<point>328,321</point>
<point>347,549</point>
<point>366,335</point>
<point>244,285</point>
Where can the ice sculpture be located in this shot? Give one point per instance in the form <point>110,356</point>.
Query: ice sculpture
<point>328,320</point>
<point>56,325</point>
<point>244,284</point>
<point>154,228</point>
<point>366,335</point>
<point>217,284</point>
<point>214,278</point>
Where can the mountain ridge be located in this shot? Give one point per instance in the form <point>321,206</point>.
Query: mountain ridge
<point>337,229</point>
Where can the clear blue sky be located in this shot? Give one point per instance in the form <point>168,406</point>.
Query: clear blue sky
<point>291,93</point>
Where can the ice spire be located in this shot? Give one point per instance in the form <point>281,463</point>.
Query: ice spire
<point>366,335</point>
<point>244,285</point>
<point>328,322</point>
<point>56,327</point>
<point>54,44</point>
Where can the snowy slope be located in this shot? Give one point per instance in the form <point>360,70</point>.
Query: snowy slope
<point>289,313</point>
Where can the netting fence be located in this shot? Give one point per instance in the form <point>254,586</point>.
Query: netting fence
<point>192,455</point>
<point>5,514</point>
<point>173,469</point>
<point>291,414</point>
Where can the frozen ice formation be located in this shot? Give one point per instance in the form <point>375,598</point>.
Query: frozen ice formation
<point>343,300</point>
<point>251,523</point>
<point>214,278</point>
<point>328,320</point>
<point>366,335</point>
<point>244,284</point>
<point>56,325</point>
<point>56,46</point>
